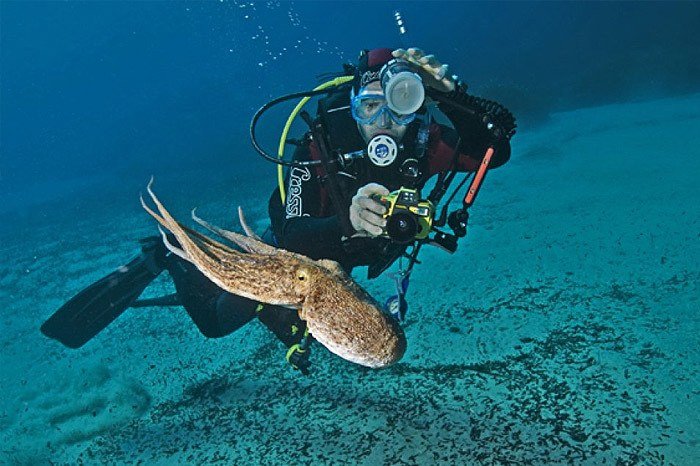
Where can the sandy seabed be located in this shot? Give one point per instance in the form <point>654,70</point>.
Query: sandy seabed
<point>563,331</point>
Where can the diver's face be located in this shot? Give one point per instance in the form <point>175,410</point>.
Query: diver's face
<point>382,125</point>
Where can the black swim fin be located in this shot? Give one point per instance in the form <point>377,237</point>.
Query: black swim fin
<point>168,300</point>
<point>93,309</point>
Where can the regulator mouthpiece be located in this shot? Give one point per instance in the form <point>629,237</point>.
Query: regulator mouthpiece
<point>403,88</point>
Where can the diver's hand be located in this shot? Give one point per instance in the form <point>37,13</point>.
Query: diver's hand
<point>432,72</point>
<point>366,213</point>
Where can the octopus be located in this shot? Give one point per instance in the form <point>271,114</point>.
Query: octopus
<point>338,312</point>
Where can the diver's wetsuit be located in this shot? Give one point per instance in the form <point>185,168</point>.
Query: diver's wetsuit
<point>308,224</point>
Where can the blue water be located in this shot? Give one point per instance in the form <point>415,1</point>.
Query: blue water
<point>131,86</point>
<point>95,97</point>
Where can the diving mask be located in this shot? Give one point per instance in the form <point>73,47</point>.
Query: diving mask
<point>367,108</point>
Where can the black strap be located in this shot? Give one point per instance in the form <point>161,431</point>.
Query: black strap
<point>335,191</point>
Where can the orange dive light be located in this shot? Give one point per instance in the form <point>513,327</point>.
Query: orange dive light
<point>478,178</point>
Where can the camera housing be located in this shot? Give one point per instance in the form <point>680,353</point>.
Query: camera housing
<point>408,217</point>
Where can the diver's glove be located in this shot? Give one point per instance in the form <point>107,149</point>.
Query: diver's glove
<point>433,73</point>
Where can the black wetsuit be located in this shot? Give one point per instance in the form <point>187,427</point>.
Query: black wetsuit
<point>308,223</point>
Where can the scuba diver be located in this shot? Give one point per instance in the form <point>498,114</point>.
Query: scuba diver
<point>352,193</point>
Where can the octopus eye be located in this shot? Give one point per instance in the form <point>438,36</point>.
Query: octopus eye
<point>302,276</point>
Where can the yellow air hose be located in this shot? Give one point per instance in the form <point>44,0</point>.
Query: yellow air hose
<point>283,138</point>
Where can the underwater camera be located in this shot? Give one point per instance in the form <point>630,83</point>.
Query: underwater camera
<point>408,217</point>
